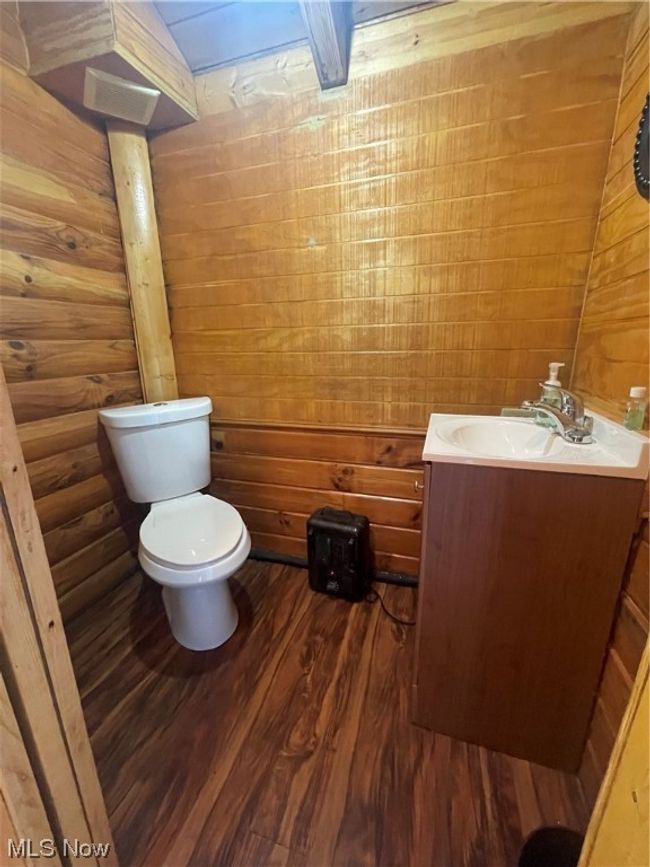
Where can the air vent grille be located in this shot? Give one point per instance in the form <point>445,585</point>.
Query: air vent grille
<point>117,97</point>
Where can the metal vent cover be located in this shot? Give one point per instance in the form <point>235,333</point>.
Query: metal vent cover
<point>117,97</point>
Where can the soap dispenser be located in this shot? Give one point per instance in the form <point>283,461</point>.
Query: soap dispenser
<point>550,393</point>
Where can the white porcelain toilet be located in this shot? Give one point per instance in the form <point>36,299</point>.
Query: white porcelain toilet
<point>190,542</point>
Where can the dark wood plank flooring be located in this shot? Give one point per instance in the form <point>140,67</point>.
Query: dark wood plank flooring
<point>291,745</point>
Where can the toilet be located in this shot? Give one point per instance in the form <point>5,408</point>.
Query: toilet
<point>190,542</point>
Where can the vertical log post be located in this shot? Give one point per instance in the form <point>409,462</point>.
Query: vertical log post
<point>135,203</point>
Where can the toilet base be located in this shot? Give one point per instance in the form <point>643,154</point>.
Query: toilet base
<point>201,617</point>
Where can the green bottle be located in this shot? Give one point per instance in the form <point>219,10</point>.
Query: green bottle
<point>636,407</point>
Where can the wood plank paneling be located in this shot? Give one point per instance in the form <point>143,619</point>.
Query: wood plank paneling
<point>628,638</point>
<point>142,38</point>
<point>420,209</point>
<point>612,347</point>
<point>417,241</point>
<point>44,398</point>
<point>25,276</point>
<point>27,359</point>
<point>618,829</point>
<point>460,28</point>
<point>65,540</point>
<point>67,344</point>
<point>22,811</point>
<point>40,683</point>
<point>277,476</point>
<point>126,39</point>
<point>611,356</point>
<point>13,49</point>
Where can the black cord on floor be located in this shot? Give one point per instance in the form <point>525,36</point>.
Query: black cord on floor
<point>377,595</point>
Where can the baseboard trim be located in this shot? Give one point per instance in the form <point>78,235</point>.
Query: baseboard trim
<point>397,578</point>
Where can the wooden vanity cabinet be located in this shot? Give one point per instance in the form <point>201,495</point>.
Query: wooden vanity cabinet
<point>520,575</point>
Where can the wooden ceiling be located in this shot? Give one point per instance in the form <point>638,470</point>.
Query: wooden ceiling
<point>211,35</point>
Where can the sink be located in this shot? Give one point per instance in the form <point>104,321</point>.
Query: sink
<point>501,438</point>
<point>522,443</point>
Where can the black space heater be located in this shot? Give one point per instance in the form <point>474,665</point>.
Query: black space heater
<point>338,550</point>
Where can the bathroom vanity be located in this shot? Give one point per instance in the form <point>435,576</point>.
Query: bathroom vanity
<point>525,539</point>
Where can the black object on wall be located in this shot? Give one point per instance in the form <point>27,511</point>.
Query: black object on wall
<point>642,153</point>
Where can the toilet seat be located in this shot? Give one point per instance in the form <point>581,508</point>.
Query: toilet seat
<point>180,577</point>
<point>191,531</point>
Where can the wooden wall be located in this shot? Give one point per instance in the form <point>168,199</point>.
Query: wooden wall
<point>612,355</point>
<point>629,636</point>
<point>277,476</point>
<point>416,241</point>
<point>67,339</point>
<point>129,40</point>
<point>13,49</point>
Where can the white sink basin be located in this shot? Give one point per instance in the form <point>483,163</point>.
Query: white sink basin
<point>521,443</point>
<point>500,438</point>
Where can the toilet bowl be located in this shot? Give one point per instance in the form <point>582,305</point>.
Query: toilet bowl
<point>190,542</point>
<point>192,545</point>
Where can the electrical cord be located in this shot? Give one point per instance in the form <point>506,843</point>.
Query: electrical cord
<point>377,595</point>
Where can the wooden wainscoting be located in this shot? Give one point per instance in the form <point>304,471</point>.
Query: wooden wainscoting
<point>67,344</point>
<point>278,475</point>
<point>629,637</point>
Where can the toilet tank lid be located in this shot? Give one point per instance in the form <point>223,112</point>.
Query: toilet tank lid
<point>162,412</point>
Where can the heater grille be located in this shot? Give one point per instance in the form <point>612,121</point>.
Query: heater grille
<point>117,97</point>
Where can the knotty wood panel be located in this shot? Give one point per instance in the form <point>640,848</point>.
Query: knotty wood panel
<point>338,260</point>
<point>456,29</point>
<point>303,763</point>
<point>277,476</point>
<point>67,345</point>
<point>611,356</point>
<point>612,348</point>
<point>416,241</point>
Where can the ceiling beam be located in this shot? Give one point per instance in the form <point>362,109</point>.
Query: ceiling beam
<point>329,28</point>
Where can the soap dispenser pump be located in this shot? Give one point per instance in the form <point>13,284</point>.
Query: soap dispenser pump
<point>550,393</point>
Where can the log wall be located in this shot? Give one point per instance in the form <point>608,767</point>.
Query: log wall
<point>67,344</point>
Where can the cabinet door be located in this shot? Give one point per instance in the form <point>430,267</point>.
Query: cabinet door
<point>520,575</point>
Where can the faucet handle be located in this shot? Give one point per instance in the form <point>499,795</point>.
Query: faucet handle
<point>572,405</point>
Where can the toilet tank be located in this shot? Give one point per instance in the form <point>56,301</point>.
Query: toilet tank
<point>162,449</point>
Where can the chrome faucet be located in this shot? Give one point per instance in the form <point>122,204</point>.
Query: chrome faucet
<point>569,418</point>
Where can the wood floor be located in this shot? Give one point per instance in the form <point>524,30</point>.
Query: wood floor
<point>291,745</point>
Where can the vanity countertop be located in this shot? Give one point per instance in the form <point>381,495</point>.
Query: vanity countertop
<point>520,443</point>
